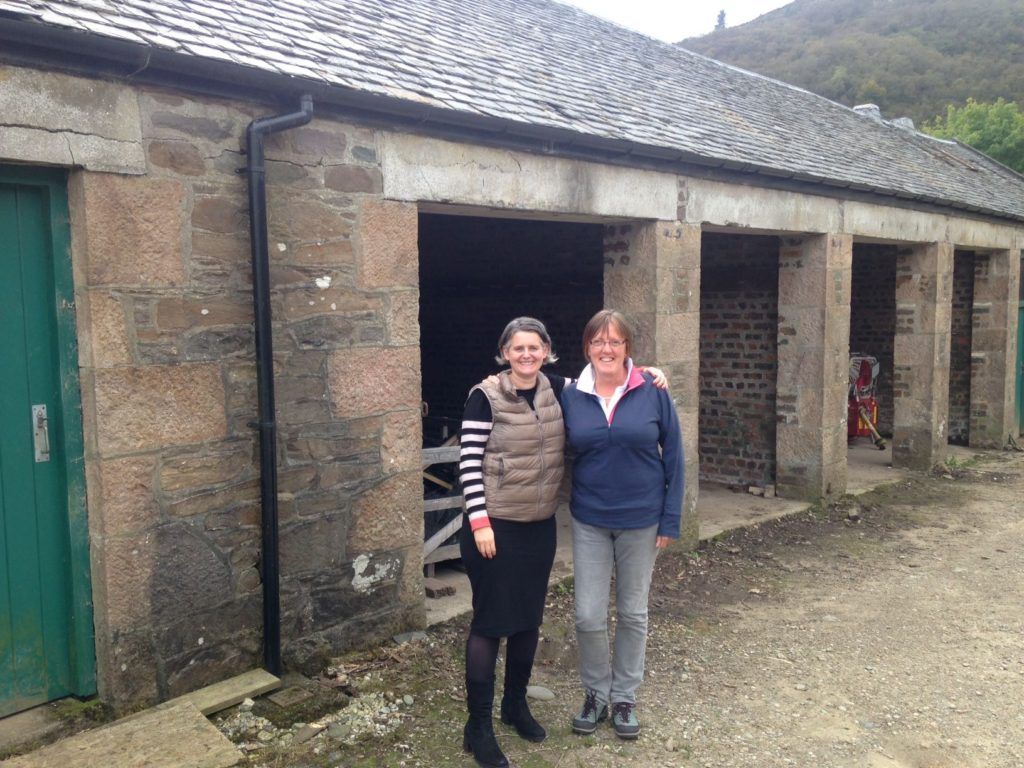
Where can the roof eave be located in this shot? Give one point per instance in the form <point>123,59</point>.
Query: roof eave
<point>32,43</point>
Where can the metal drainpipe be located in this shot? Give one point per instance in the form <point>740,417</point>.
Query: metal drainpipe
<point>267,424</point>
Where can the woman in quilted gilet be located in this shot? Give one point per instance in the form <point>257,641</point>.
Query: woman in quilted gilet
<point>511,466</point>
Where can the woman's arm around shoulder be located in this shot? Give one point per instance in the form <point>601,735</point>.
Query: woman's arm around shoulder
<point>671,440</point>
<point>557,382</point>
<point>658,377</point>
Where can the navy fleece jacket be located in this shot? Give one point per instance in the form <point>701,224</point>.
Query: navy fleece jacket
<point>627,473</point>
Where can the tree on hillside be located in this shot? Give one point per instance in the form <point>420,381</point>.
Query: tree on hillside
<point>996,129</point>
<point>911,57</point>
<point>720,24</point>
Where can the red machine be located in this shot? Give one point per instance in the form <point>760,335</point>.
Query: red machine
<point>862,407</point>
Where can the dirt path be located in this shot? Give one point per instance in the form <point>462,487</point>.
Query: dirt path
<point>893,642</point>
<point>882,632</point>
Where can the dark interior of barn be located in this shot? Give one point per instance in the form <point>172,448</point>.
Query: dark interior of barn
<point>873,319</point>
<point>478,273</point>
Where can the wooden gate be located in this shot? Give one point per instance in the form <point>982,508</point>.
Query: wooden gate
<point>434,548</point>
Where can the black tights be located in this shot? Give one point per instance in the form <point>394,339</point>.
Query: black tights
<point>482,654</point>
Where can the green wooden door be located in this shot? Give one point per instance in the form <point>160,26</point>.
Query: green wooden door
<point>46,645</point>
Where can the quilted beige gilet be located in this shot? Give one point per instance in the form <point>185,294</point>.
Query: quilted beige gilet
<point>524,458</point>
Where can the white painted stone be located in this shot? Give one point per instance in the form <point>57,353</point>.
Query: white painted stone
<point>365,582</point>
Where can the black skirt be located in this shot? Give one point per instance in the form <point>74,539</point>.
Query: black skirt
<point>510,588</point>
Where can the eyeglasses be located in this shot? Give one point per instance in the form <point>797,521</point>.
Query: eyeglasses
<point>613,343</point>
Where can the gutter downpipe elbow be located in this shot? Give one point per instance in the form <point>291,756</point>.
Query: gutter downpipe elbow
<point>267,424</point>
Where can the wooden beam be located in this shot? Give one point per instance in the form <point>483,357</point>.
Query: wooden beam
<point>442,455</point>
<point>445,502</point>
<point>437,481</point>
<point>227,693</point>
<point>441,536</point>
<point>449,552</point>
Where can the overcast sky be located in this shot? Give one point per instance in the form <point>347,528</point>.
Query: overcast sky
<point>672,20</point>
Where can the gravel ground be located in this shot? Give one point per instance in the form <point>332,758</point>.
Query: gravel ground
<point>885,631</point>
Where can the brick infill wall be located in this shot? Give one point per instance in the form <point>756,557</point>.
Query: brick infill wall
<point>960,348</point>
<point>738,364</point>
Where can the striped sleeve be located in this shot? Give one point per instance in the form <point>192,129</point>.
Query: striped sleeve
<point>476,428</point>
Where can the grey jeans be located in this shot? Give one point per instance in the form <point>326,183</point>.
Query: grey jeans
<point>595,553</point>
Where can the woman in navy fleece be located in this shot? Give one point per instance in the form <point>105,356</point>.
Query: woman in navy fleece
<point>627,493</point>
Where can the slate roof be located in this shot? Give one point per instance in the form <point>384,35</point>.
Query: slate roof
<point>541,65</point>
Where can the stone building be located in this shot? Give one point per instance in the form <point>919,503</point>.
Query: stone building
<point>467,161</point>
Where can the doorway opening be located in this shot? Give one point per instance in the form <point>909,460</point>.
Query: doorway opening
<point>739,313</point>
<point>873,320</point>
<point>477,274</point>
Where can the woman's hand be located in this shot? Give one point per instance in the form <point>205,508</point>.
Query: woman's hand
<point>484,538</point>
<point>660,380</point>
<point>662,541</point>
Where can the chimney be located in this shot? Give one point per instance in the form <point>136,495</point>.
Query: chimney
<point>905,123</point>
<point>870,111</point>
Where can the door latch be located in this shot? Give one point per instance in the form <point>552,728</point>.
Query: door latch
<point>41,433</point>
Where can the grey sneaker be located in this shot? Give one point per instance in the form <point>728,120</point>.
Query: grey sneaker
<point>593,712</point>
<point>624,720</point>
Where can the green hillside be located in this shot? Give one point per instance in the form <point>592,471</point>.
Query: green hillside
<point>911,57</point>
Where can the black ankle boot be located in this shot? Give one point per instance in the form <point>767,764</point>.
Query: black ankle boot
<point>478,735</point>
<point>514,709</point>
<point>516,712</point>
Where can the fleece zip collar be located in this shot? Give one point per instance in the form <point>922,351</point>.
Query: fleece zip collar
<point>587,383</point>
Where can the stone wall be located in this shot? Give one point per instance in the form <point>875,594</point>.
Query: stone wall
<point>960,348</point>
<point>163,282</point>
<point>652,275</point>
<point>994,347</point>
<point>738,329</point>
<point>814,364</point>
<point>924,297</point>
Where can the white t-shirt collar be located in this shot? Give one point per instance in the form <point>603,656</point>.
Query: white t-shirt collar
<point>586,382</point>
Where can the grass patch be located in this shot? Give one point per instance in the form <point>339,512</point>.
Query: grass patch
<point>77,713</point>
<point>566,586</point>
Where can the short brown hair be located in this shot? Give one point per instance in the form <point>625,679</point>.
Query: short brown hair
<point>607,318</point>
